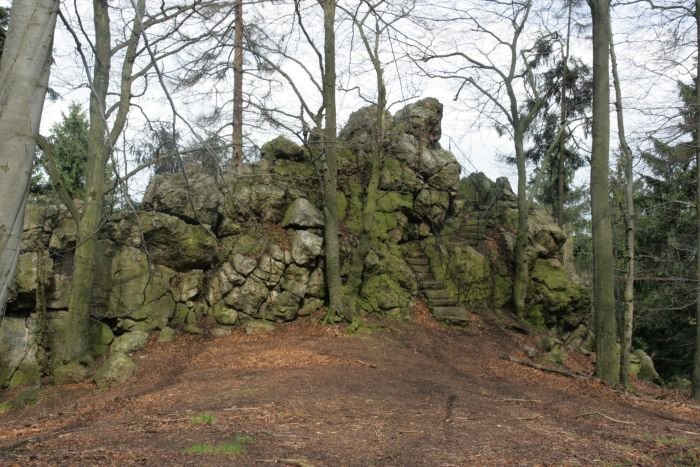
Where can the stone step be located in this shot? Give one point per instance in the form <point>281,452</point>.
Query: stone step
<point>442,302</point>
<point>421,268</point>
<point>451,314</point>
<point>418,261</point>
<point>431,285</point>
<point>439,294</point>
<point>424,277</point>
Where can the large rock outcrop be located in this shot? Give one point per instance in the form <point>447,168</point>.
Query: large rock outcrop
<point>247,247</point>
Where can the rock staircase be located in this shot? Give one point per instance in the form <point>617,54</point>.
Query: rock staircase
<point>442,304</point>
<point>468,230</point>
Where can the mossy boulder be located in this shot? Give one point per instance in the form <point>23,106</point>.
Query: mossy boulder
<point>280,306</point>
<point>382,294</point>
<point>248,298</point>
<point>195,199</point>
<point>117,369</point>
<point>19,351</point>
<point>141,296</point>
<point>100,337</point>
<point>282,148</point>
<point>129,342</point>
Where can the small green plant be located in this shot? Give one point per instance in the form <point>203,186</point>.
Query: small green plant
<point>203,419</point>
<point>237,447</point>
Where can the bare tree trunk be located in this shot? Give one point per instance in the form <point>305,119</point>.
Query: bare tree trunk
<point>330,171</point>
<point>603,267</point>
<point>24,76</point>
<point>561,168</point>
<point>628,317</point>
<point>238,86</point>
<point>98,152</point>
<point>520,282</point>
<point>696,364</point>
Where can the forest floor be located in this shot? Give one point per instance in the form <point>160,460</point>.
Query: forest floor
<point>404,394</point>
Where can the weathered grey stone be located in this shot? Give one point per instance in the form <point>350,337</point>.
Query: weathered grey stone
<point>243,264</point>
<point>306,246</point>
<point>167,334</point>
<point>646,369</point>
<point>422,119</point>
<point>117,369</point>
<point>258,327</point>
<point>432,205</point>
<point>18,351</point>
<point>69,373</point>
<point>268,202</point>
<point>195,200</point>
<point>282,148</point>
<point>248,297</point>
<point>171,241</point>
<point>316,286</point>
<point>303,215</point>
<point>142,298</point>
<point>280,306</point>
<point>187,286</point>
<point>225,315</point>
<point>269,270</point>
<point>129,342</point>
<point>100,337</point>
<point>295,280</point>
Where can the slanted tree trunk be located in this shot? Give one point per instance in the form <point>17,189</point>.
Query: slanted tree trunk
<point>603,267</point>
<point>24,76</point>
<point>238,86</point>
<point>330,171</point>
<point>98,152</point>
<point>628,295</point>
<point>696,364</point>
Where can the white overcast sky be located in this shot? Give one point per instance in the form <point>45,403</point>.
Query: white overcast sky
<point>470,137</point>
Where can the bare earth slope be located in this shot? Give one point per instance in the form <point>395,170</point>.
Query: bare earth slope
<point>409,394</point>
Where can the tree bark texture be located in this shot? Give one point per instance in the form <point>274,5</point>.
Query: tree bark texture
<point>330,170</point>
<point>24,76</point>
<point>628,160</point>
<point>98,152</point>
<point>238,85</point>
<point>696,362</point>
<point>520,283</point>
<point>607,361</point>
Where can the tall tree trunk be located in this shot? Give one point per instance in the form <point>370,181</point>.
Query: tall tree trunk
<point>24,76</point>
<point>607,363</point>
<point>376,158</point>
<point>98,152</point>
<point>561,167</point>
<point>238,86</point>
<point>696,365</point>
<point>628,295</point>
<point>330,171</point>
<point>520,283</point>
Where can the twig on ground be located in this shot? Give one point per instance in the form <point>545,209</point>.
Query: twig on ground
<point>523,400</point>
<point>371,365</point>
<point>536,366</point>
<point>684,431</point>
<point>605,416</point>
<point>529,418</point>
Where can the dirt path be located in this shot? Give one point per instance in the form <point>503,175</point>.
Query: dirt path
<point>411,394</point>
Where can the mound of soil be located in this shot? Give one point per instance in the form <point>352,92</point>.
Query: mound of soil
<point>416,394</point>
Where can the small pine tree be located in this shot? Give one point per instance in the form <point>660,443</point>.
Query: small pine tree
<point>69,139</point>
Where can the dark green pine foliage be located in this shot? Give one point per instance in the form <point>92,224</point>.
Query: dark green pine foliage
<point>666,249</point>
<point>569,92</point>
<point>69,139</point>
